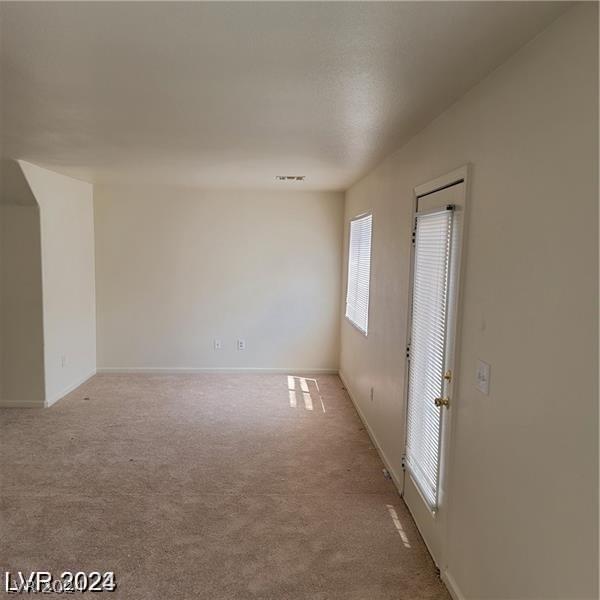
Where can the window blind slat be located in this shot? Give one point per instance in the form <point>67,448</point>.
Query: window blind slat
<point>359,272</point>
<point>427,349</point>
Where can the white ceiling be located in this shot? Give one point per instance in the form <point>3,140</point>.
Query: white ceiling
<point>232,94</point>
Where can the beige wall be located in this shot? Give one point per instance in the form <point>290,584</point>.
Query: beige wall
<point>21,318</point>
<point>2,340</point>
<point>67,250</point>
<point>523,511</point>
<point>21,324</point>
<point>177,268</point>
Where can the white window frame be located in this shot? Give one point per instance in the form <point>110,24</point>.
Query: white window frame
<point>354,324</point>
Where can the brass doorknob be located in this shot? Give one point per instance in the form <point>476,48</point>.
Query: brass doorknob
<point>439,402</point>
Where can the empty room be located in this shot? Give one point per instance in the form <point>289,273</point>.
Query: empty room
<point>299,300</point>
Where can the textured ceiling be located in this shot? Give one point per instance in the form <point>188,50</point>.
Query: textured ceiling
<point>231,94</point>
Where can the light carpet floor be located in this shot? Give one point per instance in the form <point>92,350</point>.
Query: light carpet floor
<point>216,487</point>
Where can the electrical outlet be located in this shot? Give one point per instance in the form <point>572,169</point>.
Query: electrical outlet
<point>63,360</point>
<point>217,344</point>
<point>241,344</point>
<point>372,393</point>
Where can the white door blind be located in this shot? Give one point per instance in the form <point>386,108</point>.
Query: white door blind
<point>359,272</point>
<point>426,367</point>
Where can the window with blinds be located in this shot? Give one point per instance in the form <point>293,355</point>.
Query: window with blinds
<point>427,356</point>
<point>359,272</point>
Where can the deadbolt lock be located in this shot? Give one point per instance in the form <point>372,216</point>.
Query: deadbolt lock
<point>439,402</point>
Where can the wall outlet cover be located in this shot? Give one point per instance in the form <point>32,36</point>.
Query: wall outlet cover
<point>482,377</point>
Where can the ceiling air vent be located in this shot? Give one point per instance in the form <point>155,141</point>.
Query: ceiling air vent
<point>290,177</point>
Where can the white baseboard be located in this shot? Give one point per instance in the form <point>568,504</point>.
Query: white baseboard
<point>5,403</point>
<point>397,478</point>
<point>184,370</point>
<point>452,586</point>
<point>56,397</point>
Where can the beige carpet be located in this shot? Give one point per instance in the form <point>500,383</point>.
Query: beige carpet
<point>215,487</point>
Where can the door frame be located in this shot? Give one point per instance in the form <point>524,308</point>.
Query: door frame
<point>462,174</point>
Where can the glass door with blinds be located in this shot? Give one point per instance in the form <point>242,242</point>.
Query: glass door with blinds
<point>427,348</point>
<point>430,353</point>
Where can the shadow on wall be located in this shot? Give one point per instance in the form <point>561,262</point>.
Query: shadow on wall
<point>21,317</point>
